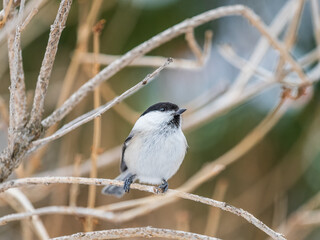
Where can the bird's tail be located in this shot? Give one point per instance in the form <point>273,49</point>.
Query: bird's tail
<point>115,190</point>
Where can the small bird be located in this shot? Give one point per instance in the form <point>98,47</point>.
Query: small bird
<point>154,149</point>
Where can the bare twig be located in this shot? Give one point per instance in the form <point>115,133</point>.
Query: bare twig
<point>47,63</point>
<point>192,42</point>
<point>145,61</point>
<point>5,13</point>
<point>17,88</point>
<point>278,23</point>
<point>103,108</point>
<point>123,109</point>
<point>290,37</point>
<point>22,204</point>
<point>161,38</point>
<point>100,182</point>
<point>96,126</point>
<point>156,61</point>
<point>74,189</point>
<point>146,232</point>
<point>214,213</point>
<point>315,9</point>
<point>65,210</point>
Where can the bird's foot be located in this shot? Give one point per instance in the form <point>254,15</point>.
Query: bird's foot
<point>163,187</point>
<point>127,182</point>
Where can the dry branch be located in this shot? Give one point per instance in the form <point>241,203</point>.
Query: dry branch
<point>47,63</point>
<point>96,125</point>
<point>156,61</point>
<point>162,38</point>
<point>145,232</point>
<point>100,110</point>
<point>101,182</point>
<point>22,204</point>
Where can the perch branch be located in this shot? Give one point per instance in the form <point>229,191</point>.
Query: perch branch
<point>145,232</point>
<point>47,63</point>
<point>101,182</point>
<point>162,38</point>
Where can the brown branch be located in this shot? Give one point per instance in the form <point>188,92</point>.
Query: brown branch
<point>47,64</point>
<point>161,38</point>
<point>145,232</point>
<point>101,182</point>
<point>74,189</point>
<point>5,13</point>
<point>96,126</point>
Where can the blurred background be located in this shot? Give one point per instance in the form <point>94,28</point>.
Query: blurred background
<point>278,176</point>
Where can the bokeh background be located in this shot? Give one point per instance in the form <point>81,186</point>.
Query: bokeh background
<point>279,175</point>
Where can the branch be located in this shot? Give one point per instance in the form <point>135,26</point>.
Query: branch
<point>100,110</point>
<point>156,61</point>
<point>101,182</point>
<point>276,26</point>
<point>18,101</point>
<point>145,232</point>
<point>21,203</point>
<point>162,38</point>
<point>47,63</point>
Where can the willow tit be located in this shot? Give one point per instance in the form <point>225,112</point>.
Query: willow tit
<point>154,149</point>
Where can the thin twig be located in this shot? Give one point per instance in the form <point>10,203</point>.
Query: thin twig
<point>96,126</point>
<point>101,182</point>
<point>145,61</point>
<point>145,232</point>
<point>123,109</point>
<point>18,101</point>
<point>315,10</point>
<point>74,189</point>
<point>290,36</point>
<point>5,13</point>
<point>214,213</point>
<point>276,26</point>
<point>192,42</point>
<point>47,63</point>
<point>22,204</point>
<point>103,108</point>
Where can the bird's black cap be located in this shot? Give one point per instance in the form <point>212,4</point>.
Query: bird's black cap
<point>161,106</point>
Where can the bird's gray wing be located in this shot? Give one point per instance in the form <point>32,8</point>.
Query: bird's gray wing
<point>123,165</point>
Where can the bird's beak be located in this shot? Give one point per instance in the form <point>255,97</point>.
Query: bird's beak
<point>180,111</point>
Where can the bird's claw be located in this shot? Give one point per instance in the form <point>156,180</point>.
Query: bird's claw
<point>127,182</point>
<point>163,187</point>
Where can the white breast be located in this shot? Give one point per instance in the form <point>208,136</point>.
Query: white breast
<point>156,156</point>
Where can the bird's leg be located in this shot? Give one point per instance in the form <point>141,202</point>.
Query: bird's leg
<point>164,186</point>
<point>127,183</point>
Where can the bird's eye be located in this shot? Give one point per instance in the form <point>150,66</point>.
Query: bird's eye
<point>162,109</point>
